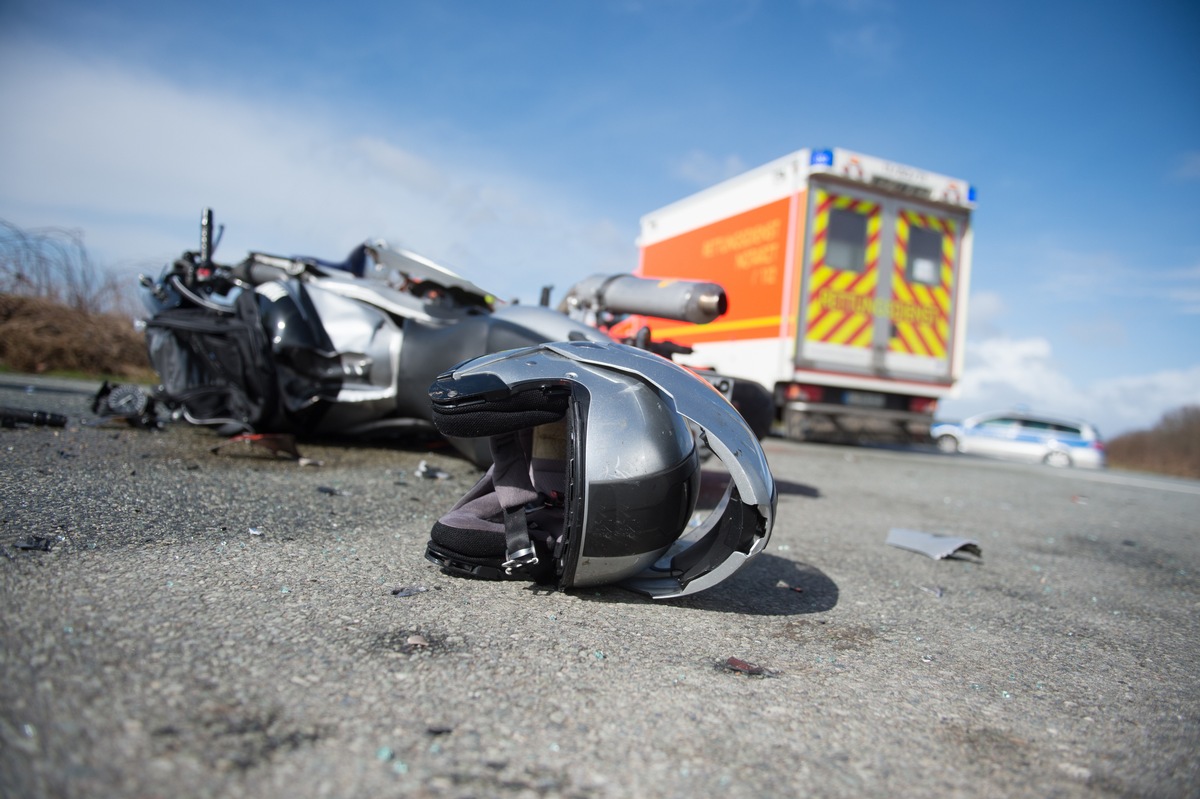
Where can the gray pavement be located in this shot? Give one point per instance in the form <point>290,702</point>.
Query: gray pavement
<point>227,624</point>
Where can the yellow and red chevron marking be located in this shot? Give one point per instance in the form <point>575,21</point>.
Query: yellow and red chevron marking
<point>841,304</point>
<point>920,311</point>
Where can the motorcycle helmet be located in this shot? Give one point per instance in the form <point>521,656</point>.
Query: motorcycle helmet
<point>596,470</point>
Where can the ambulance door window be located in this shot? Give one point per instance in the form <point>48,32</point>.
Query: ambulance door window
<point>924,256</point>
<point>847,246</point>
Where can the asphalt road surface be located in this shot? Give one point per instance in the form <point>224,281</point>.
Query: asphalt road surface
<point>233,624</point>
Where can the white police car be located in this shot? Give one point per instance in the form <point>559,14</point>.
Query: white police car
<point>1025,437</point>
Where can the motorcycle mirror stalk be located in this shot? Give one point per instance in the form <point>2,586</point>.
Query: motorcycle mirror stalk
<point>208,244</point>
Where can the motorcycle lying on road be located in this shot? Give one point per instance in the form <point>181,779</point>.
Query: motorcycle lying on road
<point>301,345</point>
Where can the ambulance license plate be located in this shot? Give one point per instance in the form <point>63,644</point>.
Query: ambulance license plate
<point>865,399</point>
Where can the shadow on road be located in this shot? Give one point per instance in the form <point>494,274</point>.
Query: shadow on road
<point>768,586</point>
<point>787,487</point>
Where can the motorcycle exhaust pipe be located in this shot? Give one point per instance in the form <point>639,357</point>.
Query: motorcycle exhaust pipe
<point>681,300</point>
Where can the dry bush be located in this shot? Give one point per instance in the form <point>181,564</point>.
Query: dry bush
<point>1170,447</point>
<point>53,264</point>
<point>41,335</point>
<point>59,313</point>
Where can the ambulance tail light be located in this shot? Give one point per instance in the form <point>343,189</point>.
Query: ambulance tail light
<point>926,405</point>
<point>801,392</point>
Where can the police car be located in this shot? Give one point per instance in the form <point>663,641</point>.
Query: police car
<point>1025,437</point>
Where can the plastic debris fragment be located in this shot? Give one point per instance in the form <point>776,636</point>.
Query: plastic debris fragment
<point>411,590</point>
<point>38,543</point>
<point>430,472</point>
<point>743,667</point>
<point>281,445</point>
<point>931,545</point>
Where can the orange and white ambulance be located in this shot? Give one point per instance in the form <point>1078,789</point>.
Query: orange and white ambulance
<point>847,279</point>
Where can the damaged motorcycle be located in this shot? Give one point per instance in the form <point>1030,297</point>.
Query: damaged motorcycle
<point>306,346</point>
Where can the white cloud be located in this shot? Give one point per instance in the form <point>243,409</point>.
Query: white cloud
<point>1188,167</point>
<point>1013,371</point>
<point>859,7</point>
<point>703,169</point>
<point>1183,289</point>
<point>987,309</point>
<point>132,158</point>
<point>1006,372</point>
<point>869,44</point>
<point>1076,277</point>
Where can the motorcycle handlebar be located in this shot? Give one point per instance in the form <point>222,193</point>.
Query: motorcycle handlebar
<point>259,268</point>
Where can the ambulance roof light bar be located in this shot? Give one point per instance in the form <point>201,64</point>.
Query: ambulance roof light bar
<point>891,176</point>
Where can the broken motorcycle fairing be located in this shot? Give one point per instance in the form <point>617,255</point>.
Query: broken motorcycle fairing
<point>300,345</point>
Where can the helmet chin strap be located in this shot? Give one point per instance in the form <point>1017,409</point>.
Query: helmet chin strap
<point>510,476</point>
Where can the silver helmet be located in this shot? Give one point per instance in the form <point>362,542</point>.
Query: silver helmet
<point>596,471</point>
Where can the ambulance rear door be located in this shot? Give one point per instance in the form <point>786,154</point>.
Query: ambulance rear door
<point>927,247</point>
<point>879,288</point>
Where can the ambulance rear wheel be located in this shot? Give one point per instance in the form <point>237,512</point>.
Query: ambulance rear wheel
<point>795,426</point>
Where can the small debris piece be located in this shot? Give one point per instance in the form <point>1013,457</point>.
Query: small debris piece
<point>331,491</point>
<point>936,590</point>
<point>411,590</point>
<point>36,543</point>
<point>282,445</point>
<point>418,641</point>
<point>438,729</point>
<point>256,531</point>
<point>430,472</point>
<point>742,667</point>
<point>934,546</point>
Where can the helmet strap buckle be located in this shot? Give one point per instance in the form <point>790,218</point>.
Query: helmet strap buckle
<point>519,549</point>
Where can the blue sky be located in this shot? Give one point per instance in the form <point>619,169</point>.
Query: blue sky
<point>520,143</point>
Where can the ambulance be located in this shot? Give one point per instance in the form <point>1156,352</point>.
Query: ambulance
<point>847,278</point>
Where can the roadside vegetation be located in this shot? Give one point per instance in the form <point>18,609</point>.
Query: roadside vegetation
<point>60,313</point>
<point>1171,447</point>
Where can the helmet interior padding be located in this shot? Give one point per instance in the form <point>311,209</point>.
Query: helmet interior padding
<point>527,477</point>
